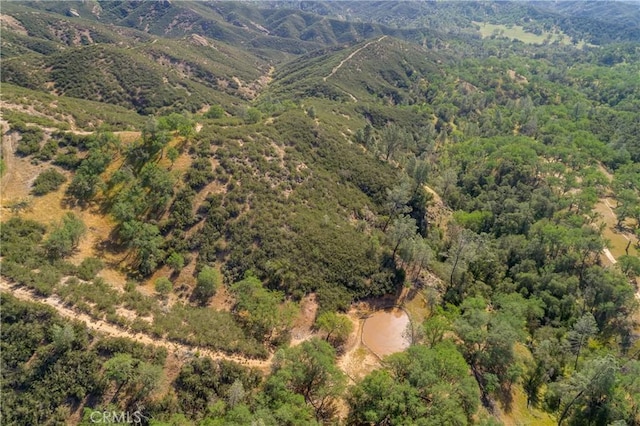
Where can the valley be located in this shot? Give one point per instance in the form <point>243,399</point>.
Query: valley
<point>305,213</point>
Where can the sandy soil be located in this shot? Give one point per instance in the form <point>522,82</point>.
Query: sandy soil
<point>357,360</point>
<point>13,23</point>
<point>437,212</point>
<point>20,173</point>
<point>303,325</point>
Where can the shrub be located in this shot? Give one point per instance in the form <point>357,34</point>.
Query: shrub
<point>30,143</point>
<point>200,173</point>
<point>48,181</point>
<point>252,116</point>
<point>89,268</point>
<point>175,261</point>
<point>68,160</point>
<point>48,151</point>
<point>216,111</point>
<point>163,286</point>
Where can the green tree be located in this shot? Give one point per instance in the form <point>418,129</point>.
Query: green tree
<point>147,378</point>
<point>260,310</point>
<point>58,244</point>
<point>187,130</point>
<point>207,284</point>
<point>606,293</point>
<point>196,385</point>
<point>309,370</point>
<point>586,396</point>
<point>435,327</point>
<point>120,369</point>
<point>83,186</point>
<point>393,139</point>
<point>172,154</point>
<point>627,401</point>
<point>65,237</point>
<point>580,333</point>
<point>74,227</point>
<point>215,111</point>
<point>628,203</point>
<point>463,248</point>
<point>380,398</point>
<point>421,254</point>
<point>146,241</point>
<point>403,229</point>
<point>338,327</point>
<point>236,394</point>
<point>311,112</point>
<point>397,199</point>
<point>629,265</point>
<point>551,353</point>
<point>63,337</point>
<point>159,184</point>
<point>422,386</point>
<point>487,340</point>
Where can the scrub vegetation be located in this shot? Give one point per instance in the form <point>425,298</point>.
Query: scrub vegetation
<point>230,183</point>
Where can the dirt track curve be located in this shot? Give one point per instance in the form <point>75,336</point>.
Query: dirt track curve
<point>116,331</point>
<point>355,52</point>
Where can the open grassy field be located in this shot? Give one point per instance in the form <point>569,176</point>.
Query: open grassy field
<point>618,240</point>
<point>517,32</point>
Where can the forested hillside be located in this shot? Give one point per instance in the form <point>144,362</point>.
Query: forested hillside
<point>205,204</point>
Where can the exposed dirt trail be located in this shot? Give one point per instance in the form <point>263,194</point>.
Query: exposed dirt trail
<point>613,215</point>
<point>345,60</point>
<point>12,175</point>
<point>115,331</point>
<point>607,253</point>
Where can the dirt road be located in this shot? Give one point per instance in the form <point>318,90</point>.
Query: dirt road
<point>348,58</point>
<point>116,331</point>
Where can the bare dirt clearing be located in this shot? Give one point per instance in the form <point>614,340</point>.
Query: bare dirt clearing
<point>619,239</point>
<point>20,173</point>
<point>357,361</point>
<point>303,325</point>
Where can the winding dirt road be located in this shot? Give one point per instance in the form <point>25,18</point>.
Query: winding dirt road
<point>112,330</point>
<point>348,58</point>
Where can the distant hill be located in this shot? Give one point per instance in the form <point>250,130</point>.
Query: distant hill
<point>383,69</point>
<point>596,22</point>
<point>88,60</point>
